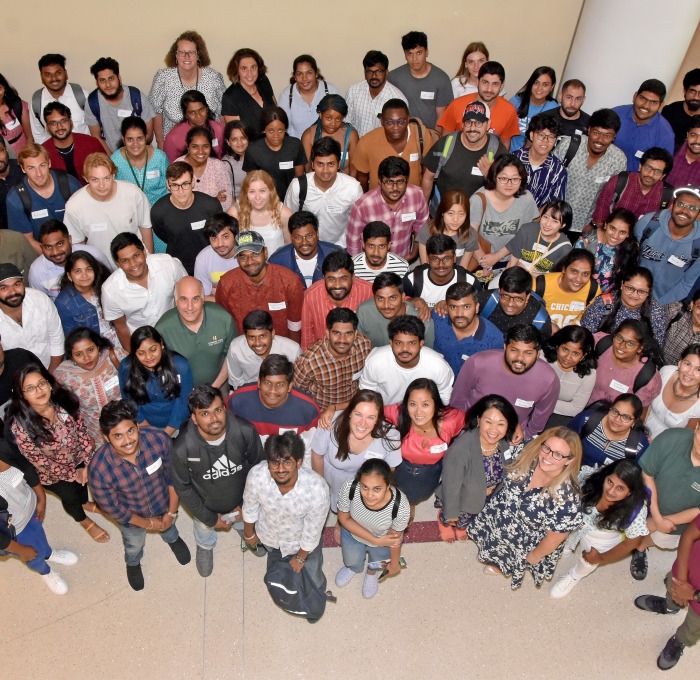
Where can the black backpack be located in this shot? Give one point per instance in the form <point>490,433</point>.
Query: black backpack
<point>621,185</point>
<point>136,105</point>
<point>23,192</point>
<point>594,420</point>
<point>397,499</point>
<point>643,377</point>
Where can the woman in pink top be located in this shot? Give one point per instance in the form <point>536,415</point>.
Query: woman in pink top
<point>195,113</point>
<point>14,117</point>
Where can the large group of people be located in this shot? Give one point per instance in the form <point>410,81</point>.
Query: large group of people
<point>264,309</point>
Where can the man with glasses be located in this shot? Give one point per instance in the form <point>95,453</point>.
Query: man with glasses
<point>641,192</point>
<point>642,125</point>
<point>366,99</point>
<point>669,242</point>
<point>395,202</point>
<point>180,217</point>
<point>398,136</point>
<point>680,114</point>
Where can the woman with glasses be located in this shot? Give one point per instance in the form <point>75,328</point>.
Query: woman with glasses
<point>678,404</point>
<point>611,431</point>
<point>187,63</point>
<point>195,113</point>
<point>533,98</point>
<point>44,419</point>
<point>497,212</point>
<point>614,247</point>
<point>527,519</point>
<point>634,301</point>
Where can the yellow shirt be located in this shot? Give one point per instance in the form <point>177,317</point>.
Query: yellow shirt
<point>565,309</point>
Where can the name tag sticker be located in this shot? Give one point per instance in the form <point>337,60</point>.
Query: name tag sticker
<point>197,225</point>
<point>152,174</point>
<point>282,430</point>
<point>356,376</point>
<point>578,132</point>
<point>334,209</point>
<point>427,95</point>
<point>638,154</point>
<point>286,165</point>
<point>216,276</point>
<point>540,248</point>
<point>276,306</point>
<point>408,217</point>
<point>214,142</point>
<point>414,157</point>
<point>577,306</point>
<point>618,386</point>
<point>508,453</point>
<point>438,448</point>
<point>676,261</point>
<point>477,172</point>
<point>465,357</point>
<point>111,383</point>
<point>123,113</point>
<point>100,226</point>
<point>602,180</point>
<point>372,454</point>
<point>17,479</point>
<point>36,214</point>
<point>523,403</point>
<point>14,123</point>
<point>154,466</point>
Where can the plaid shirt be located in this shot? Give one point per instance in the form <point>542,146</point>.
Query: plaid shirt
<point>631,198</point>
<point>679,335</point>
<point>683,172</point>
<point>123,489</point>
<point>329,380</point>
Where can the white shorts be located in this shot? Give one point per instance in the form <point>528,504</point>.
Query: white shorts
<point>666,541</point>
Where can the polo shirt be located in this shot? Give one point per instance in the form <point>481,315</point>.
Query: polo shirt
<point>635,139</point>
<point>206,349</point>
<point>504,117</point>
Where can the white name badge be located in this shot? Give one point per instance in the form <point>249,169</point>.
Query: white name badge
<point>638,154</point>
<point>578,132</point>
<point>438,448</point>
<point>508,453</point>
<point>214,142</point>
<point>602,180</point>
<point>540,248</point>
<point>427,95</point>
<point>123,113</point>
<point>465,357</point>
<point>276,306</point>
<point>372,454</point>
<point>152,174</point>
<point>197,225</point>
<point>14,123</point>
<point>676,261</point>
<point>100,226</point>
<point>523,403</point>
<point>111,383</point>
<point>477,172</point>
<point>408,217</point>
<point>178,378</point>
<point>356,376</point>
<point>414,157</point>
<point>607,461</point>
<point>334,209</point>
<point>36,214</point>
<point>154,466</point>
<point>282,430</point>
<point>286,165</point>
<point>577,306</point>
<point>17,479</point>
<point>618,386</point>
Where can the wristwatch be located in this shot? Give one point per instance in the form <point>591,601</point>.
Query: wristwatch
<point>301,560</point>
<point>173,515</point>
<point>696,596</point>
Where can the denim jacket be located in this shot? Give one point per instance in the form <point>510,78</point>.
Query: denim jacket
<point>285,257</point>
<point>76,311</point>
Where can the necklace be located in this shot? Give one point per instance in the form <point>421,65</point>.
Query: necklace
<point>681,397</point>
<point>66,151</point>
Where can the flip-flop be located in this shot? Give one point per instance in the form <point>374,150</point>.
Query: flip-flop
<point>91,506</point>
<point>101,537</point>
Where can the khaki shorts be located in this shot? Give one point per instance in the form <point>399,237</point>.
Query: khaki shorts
<point>665,541</point>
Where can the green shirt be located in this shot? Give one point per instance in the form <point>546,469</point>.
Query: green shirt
<point>375,326</point>
<point>206,349</point>
<point>668,461</point>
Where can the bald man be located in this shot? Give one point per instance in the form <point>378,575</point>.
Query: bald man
<point>200,331</point>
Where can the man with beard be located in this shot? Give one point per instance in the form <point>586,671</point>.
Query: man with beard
<point>516,374</point>
<point>572,120</point>
<point>217,258</point>
<point>28,319</point>
<point>680,114</point>
<point>67,149</point>
<point>48,269</point>
<point>212,456</point>
<point>339,288</point>
<point>686,163</point>
<point>111,102</point>
<point>376,256</point>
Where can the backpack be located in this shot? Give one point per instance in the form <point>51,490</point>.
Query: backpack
<point>541,286</point>
<point>291,92</point>
<point>23,192</point>
<point>571,152</point>
<point>451,140</point>
<point>397,499</point>
<point>643,377</point>
<point>36,100</point>
<point>654,224</point>
<point>295,592</point>
<point>136,105</point>
<point>419,278</point>
<point>538,322</point>
<point>621,185</point>
<point>303,189</point>
<point>594,420</point>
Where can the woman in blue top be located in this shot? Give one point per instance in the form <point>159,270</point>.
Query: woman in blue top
<point>158,380</point>
<point>534,97</point>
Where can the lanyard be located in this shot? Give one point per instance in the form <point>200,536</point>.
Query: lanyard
<point>133,172</point>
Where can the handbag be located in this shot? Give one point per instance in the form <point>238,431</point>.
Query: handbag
<point>6,526</point>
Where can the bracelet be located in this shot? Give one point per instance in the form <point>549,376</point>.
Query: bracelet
<point>173,515</point>
<point>150,525</point>
<point>248,538</point>
<point>301,560</point>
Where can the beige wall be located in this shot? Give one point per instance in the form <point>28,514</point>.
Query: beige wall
<point>691,61</point>
<point>522,35</point>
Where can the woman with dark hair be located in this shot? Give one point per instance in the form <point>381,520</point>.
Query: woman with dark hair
<point>187,63</point>
<point>358,433</point>
<point>634,300</point>
<point>426,427</point>
<point>44,419</point>
<point>195,113</point>
<point>332,110</point>
<point>474,465</point>
<point>15,127</point>
<point>498,210</point>
<point>628,360</point>
<point>612,431</point>
<point>678,403</point>
<point>306,89</point>
<point>90,371</point>
<point>474,57</point>
<point>79,299</point>
<point>614,505</point>
<point>570,352</point>
<point>210,174</point>
<point>157,380</point>
<point>278,154</point>
<point>532,98</point>
<point>237,136</point>
<point>614,246</point>
<point>373,515</point>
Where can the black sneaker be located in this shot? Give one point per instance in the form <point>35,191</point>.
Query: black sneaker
<point>639,565</point>
<point>654,603</point>
<point>135,576</point>
<point>204,561</point>
<point>670,654</point>
<point>182,552</point>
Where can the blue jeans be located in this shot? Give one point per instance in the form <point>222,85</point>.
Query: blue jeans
<point>33,535</point>
<point>205,537</point>
<point>354,552</point>
<point>134,539</point>
<point>313,564</point>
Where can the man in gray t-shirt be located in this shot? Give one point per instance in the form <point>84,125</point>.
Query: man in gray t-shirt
<point>108,105</point>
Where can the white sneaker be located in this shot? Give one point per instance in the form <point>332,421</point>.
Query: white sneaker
<point>55,583</point>
<point>563,587</point>
<point>63,557</point>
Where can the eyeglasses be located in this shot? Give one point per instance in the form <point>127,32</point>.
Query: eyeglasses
<point>375,71</point>
<point>474,124</point>
<point>690,208</point>
<point>631,290</point>
<point>556,455</point>
<point>179,187</point>
<point>395,183</point>
<point>445,259</point>
<point>620,340</point>
<point>511,181</point>
<point>186,53</point>
<point>41,385</point>
<point>394,123</point>
<point>507,297</point>
<point>298,238</point>
<point>653,171</point>
<point>285,463</point>
<point>624,417</point>
<point>545,138</point>
<point>55,123</point>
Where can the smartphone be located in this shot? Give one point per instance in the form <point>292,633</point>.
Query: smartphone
<point>230,517</point>
<point>381,564</point>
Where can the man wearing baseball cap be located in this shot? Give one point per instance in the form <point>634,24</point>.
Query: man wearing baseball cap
<point>669,246</point>
<point>258,284</point>
<point>461,160</point>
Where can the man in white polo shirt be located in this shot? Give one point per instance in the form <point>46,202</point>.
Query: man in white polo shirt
<point>140,291</point>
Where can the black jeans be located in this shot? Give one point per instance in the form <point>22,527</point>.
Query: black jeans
<point>72,496</point>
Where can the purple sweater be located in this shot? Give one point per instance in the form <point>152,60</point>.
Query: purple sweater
<point>533,394</point>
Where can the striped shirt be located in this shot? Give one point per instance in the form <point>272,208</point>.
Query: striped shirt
<point>547,182</point>
<point>393,263</point>
<point>377,522</point>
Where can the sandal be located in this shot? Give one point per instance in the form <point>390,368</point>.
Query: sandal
<point>100,537</point>
<point>447,533</point>
<point>92,507</point>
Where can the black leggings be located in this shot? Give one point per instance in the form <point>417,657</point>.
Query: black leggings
<point>73,496</point>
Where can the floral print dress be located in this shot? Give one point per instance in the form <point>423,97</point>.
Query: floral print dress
<point>515,520</point>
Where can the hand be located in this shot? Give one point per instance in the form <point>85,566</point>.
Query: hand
<point>296,564</point>
<point>588,228</point>
<point>26,553</point>
<point>391,539</point>
<point>665,526</point>
<point>251,540</point>
<point>166,521</point>
<point>530,558</point>
<point>518,436</point>
<point>222,196</point>
<point>484,164</point>
<point>155,524</point>
<point>220,524</point>
<point>325,420</point>
<point>592,556</point>
<point>81,476</point>
<point>681,592</point>
<point>394,568</point>
<point>441,308</point>
<point>422,309</point>
<point>487,261</point>
<point>41,508</point>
